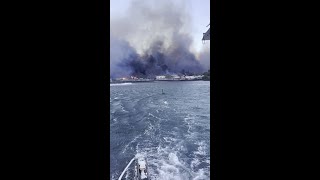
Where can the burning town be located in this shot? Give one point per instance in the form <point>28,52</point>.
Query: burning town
<point>150,42</point>
<point>205,76</point>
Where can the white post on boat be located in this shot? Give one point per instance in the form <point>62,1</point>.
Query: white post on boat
<point>125,169</point>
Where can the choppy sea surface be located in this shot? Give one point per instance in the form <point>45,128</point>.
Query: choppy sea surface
<point>171,130</point>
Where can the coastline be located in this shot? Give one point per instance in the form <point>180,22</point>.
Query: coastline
<point>119,82</point>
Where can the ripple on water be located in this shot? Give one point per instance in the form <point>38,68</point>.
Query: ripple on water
<point>171,131</point>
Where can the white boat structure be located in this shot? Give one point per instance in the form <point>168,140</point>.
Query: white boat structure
<point>140,169</point>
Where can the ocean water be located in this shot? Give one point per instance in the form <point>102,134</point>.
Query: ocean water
<point>171,130</point>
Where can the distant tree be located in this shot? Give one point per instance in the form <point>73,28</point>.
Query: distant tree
<point>188,73</point>
<point>206,75</point>
<point>207,78</point>
<point>183,72</point>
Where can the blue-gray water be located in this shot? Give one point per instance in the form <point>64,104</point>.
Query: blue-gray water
<point>171,130</point>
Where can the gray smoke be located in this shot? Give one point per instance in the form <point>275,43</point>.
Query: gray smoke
<point>204,56</point>
<point>152,39</point>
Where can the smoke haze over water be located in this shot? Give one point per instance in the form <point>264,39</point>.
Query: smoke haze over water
<point>152,39</point>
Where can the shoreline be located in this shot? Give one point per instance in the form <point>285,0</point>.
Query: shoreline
<point>119,82</point>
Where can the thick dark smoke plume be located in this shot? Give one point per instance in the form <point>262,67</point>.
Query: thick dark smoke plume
<point>152,39</point>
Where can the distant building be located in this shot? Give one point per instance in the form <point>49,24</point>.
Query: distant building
<point>199,77</point>
<point>160,77</point>
<point>190,77</point>
<point>121,79</point>
<point>176,77</point>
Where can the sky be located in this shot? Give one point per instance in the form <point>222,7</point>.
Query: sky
<point>199,11</point>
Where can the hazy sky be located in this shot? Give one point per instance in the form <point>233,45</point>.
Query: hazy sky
<point>199,11</point>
